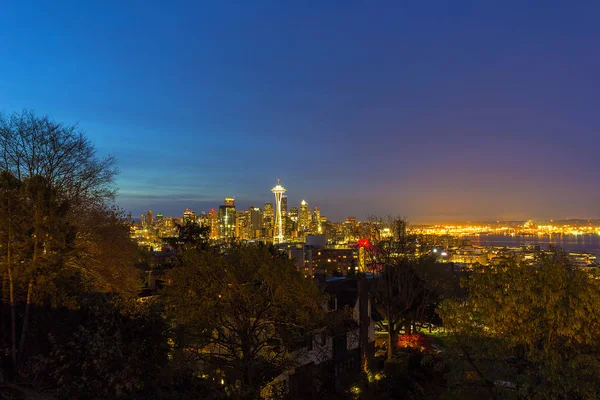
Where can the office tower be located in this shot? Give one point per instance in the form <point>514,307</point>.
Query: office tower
<point>284,217</point>
<point>317,221</point>
<point>227,219</point>
<point>292,229</point>
<point>202,219</point>
<point>284,205</point>
<point>350,229</point>
<point>150,219</point>
<point>268,219</point>
<point>293,214</point>
<point>213,221</point>
<point>278,191</point>
<point>326,227</point>
<point>304,218</point>
<point>159,217</point>
<point>256,222</point>
<point>242,230</point>
<point>188,216</point>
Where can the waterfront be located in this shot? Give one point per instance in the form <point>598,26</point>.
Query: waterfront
<point>581,243</point>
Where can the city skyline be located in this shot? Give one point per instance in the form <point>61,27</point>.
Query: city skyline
<point>438,112</point>
<point>245,205</point>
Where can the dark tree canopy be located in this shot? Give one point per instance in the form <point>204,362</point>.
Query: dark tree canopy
<point>190,235</point>
<point>240,312</point>
<point>530,323</point>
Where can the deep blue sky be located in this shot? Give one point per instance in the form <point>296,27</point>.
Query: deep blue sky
<point>443,110</point>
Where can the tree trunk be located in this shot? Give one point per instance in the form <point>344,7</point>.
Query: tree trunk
<point>364,321</point>
<point>34,264</point>
<point>26,318</point>
<point>13,318</point>
<point>247,382</point>
<point>11,289</point>
<point>4,299</point>
<point>248,389</point>
<point>392,338</point>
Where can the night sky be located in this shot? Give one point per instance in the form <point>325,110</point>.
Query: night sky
<point>438,111</point>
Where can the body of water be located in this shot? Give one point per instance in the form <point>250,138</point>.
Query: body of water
<point>589,243</point>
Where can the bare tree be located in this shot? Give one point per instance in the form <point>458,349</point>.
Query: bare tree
<point>31,145</point>
<point>402,292</point>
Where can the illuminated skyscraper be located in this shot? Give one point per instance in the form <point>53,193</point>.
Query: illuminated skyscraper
<point>202,219</point>
<point>317,221</point>
<point>256,221</point>
<point>146,219</point>
<point>278,191</point>
<point>293,222</point>
<point>188,216</point>
<point>294,214</point>
<point>227,218</point>
<point>242,228</point>
<point>284,205</point>
<point>268,219</point>
<point>304,218</point>
<point>284,218</point>
<point>350,229</point>
<point>213,222</point>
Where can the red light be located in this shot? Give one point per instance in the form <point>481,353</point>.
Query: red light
<point>415,341</point>
<point>364,243</point>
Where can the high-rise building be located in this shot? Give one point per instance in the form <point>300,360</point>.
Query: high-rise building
<point>294,214</point>
<point>256,222</point>
<point>350,228</point>
<point>278,191</point>
<point>268,219</point>
<point>284,205</point>
<point>304,218</point>
<point>284,217</point>
<point>227,219</point>
<point>166,226</point>
<point>202,219</point>
<point>317,221</point>
<point>146,219</point>
<point>242,226</point>
<point>293,222</point>
<point>213,221</point>
<point>327,228</point>
<point>188,216</point>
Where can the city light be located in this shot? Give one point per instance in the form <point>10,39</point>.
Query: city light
<point>463,244</point>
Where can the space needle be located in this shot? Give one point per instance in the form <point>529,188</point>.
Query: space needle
<point>278,191</point>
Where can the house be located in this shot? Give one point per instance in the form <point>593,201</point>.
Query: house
<point>333,355</point>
